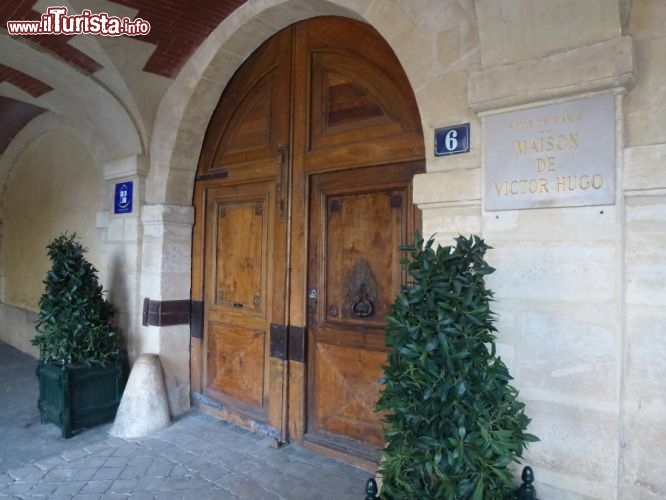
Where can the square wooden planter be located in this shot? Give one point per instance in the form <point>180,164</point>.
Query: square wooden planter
<point>80,397</point>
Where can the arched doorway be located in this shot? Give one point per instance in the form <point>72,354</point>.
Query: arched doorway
<point>302,198</point>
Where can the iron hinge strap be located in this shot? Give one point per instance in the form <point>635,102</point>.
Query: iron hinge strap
<point>287,342</point>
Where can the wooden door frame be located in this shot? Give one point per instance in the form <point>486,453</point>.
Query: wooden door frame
<point>303,163</point>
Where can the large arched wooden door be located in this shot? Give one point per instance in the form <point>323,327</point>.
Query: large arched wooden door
<point>303,197</point>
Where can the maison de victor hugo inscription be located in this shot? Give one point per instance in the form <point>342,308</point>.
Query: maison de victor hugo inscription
<point>559,155</point>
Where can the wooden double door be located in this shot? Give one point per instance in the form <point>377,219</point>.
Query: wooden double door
<point>303,198</point>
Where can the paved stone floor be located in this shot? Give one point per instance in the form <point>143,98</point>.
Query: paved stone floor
<point>198,457</point>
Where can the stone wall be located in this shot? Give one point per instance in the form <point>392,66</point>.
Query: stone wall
<point>579,290</point>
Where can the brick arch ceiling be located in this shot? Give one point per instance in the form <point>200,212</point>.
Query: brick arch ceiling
<point>177,28</point>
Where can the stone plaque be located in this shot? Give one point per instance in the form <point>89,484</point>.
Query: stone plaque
<point>559,155</point>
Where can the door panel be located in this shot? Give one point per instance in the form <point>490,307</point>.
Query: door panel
<point>355,105</point>
<point>236,363</point>
<point>251,122</point>
<point>240,269</point>
<point>363,232</point>
<point>351,103</point>
<point>238,241</point>
<point>348,390</point>
<point>359,220</point>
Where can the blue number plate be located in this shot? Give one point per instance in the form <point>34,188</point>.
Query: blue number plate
<point>452,140</point>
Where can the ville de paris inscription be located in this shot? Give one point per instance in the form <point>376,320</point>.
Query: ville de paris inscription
<point>556,155</point>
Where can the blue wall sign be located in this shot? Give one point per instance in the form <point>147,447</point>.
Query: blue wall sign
<point>452,140</point>
<point>123,199</point>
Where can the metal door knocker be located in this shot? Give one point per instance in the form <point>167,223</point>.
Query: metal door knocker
<point>363,307</point>
<point>361,289</point>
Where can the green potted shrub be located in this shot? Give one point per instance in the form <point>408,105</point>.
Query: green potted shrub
<point>453,421</point>
<point>80,368</point>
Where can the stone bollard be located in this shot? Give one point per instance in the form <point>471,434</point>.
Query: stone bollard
<point>143,408</point>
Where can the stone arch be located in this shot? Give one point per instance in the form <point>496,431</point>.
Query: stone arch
<point>89,147</point>
<point>40,126</point>
<point>54,186</point>
<point>186,109</point>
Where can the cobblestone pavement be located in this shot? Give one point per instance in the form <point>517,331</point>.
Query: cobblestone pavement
<point>198,457</point>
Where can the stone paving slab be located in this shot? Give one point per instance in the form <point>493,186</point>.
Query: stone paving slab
<point>192,459</point>
<point>198,457</point>
<point>23,439</point>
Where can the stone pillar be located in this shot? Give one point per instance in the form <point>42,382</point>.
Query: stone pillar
<point>644,408</point>
<point>166,276</point>
<point>121,237</point>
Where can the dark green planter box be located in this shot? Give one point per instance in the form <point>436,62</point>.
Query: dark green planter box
<point>81,397</point>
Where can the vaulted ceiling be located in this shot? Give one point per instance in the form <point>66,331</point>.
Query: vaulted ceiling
<point>113,86</point>
<point>53,72</point>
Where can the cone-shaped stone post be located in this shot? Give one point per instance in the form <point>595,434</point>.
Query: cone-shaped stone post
<point>143,408</point>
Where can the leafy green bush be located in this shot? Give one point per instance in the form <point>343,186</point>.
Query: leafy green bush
<point>453,421</point>
<point>74,321</point>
